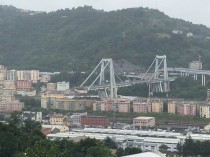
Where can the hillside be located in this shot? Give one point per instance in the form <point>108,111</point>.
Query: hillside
<point>77,39</point>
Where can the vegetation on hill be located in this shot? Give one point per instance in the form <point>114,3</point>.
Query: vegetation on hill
<point>182,87</point>
<point>77,39</point>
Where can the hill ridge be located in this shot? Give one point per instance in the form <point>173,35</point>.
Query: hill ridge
<point>77,39</point>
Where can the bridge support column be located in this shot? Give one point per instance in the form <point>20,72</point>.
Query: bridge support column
<point>203,80</point>
<point>195,76</point>
<point>161,88</point>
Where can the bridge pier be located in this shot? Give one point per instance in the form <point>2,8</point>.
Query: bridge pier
<point>195,77</point>
<point>203,80</point>
<point>161,88</point>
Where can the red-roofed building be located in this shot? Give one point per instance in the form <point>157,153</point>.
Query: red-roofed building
<point>46,131</point>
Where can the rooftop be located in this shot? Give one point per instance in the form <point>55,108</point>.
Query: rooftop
<point>57,116</point>
<point>146,154</point>
<point>144,118</point>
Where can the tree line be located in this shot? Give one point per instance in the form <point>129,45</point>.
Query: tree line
<point>19,139</point>
<point>194,148</point>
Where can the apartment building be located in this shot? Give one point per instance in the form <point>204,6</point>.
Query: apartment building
<point>9,84</point>
<point>24,85</point>
<point>69,104</point>
<point>143,107</point>
<point>11,106</point>
<point>123,107</point>
<point>3,72</point>
<point>35,116</point>
<point>12,75</point>
<point>119,105</point>
<point>75,119</point>
<point>23,75</point>
<point>26,92</point>
<point>56,119</point>
<point>99,105</point>
<point>172,107</point>
<point>186,109</point>
<point>7,92</point>
<point>48,101</point>
<point>51,86</point>
<point>63,86</point>
<point>6,98</point>
<point>205,111</point>
<point>45,78</point>
<point>157,106</point>
<point>96,121</point>
<point>32,75</point>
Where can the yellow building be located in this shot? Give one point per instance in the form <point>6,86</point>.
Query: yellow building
<point>142,107</point>
<point>34,75</point>
<point>124,106</point>
<point>144,122</point>
<point>157,106</point>
<point>56,119</point>
<point>69,104</point>
<point>28,75</point>
<point>48,101</point>
<point>172,107</point>
<point>205,111</point>
<point>9,84</point>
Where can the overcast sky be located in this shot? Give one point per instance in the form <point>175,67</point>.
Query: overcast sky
<point>196,11</point>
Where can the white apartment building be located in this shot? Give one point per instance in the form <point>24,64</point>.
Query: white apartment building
<point>28,75</point>
<point>75,119</point>
<point>12,75</point>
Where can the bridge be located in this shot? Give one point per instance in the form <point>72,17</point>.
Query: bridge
<point>191,72</point>
<point>108,78</point>
<point>157,79</point>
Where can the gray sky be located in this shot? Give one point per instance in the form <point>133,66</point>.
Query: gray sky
<point>196,11</point>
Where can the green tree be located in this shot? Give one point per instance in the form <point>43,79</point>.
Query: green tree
<point>98,151</point>
<point>120,152</point>
<point>132,150</point>
<point>163,148</point>
<point>108,142</point>
<point>179,148</point>
<point>38,150</point>
<point>188,147</point>
<point>85,144</point>
<point>31,126</point>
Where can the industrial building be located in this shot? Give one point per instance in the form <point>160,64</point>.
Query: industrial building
<point>96,121</point>
<point>125,138</point>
